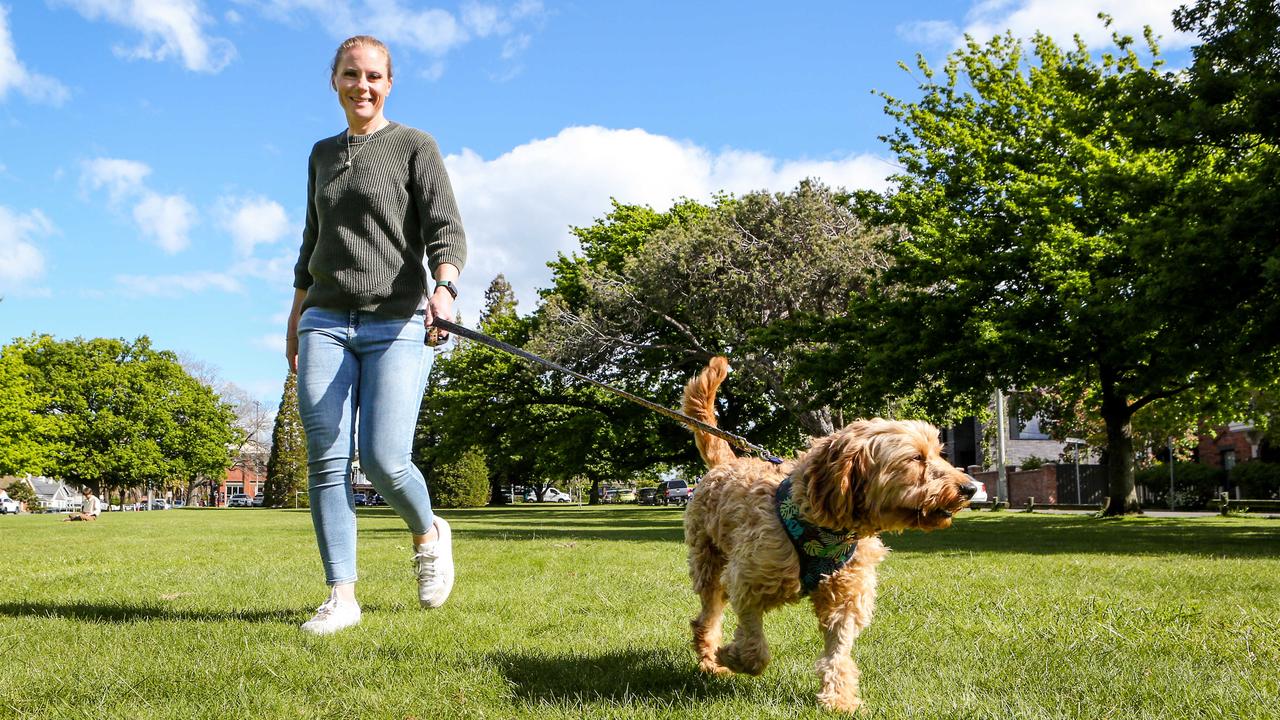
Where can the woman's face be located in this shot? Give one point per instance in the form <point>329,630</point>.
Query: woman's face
<point>363,84</point>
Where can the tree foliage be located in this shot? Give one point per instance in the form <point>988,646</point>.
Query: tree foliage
<point>123,414</point>
<point>651,299</point>
<point>460,482</point>
<point>1047,243</point>
<point>287,464</point>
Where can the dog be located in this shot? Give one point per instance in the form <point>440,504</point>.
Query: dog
<point>870,477</point>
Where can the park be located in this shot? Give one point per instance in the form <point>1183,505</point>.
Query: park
<point>1062,295</point>
<point>572,612</point>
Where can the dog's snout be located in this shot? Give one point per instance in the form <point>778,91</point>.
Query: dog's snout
<point>968,489</point>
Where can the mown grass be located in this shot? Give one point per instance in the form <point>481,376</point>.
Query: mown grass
<point>570,612</point>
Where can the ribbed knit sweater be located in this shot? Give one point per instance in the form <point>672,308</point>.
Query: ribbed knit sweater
<point>369,225</point>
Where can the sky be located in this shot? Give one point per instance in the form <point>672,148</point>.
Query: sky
<point>153,170</point>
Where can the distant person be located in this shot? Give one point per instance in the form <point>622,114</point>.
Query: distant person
<point>90,507</point>
<point>378,202</point>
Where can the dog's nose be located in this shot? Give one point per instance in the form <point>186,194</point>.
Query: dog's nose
<point>968,489</point>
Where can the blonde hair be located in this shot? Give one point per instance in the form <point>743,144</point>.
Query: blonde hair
<point>353,41</point>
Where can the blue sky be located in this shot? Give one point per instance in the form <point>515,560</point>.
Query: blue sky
<point>153,172</point>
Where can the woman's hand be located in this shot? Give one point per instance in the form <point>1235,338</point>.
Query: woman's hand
<point>439,305</point>
<point>291,352</point>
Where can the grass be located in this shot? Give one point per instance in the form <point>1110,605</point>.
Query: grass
<point>566,612</point>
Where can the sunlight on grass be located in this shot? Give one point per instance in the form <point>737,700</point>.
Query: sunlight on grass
<point>568,612</point>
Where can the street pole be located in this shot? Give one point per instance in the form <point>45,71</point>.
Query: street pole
<point>1170,473</point>
<point>1002,482</point>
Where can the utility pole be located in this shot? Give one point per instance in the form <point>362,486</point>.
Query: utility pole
<point>1170,473</point>
<point>1002,432</point>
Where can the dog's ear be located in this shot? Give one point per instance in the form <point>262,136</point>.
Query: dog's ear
<point>836,479</point>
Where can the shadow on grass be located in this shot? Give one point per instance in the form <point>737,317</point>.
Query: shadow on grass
<point>648,524</point>
<point>979,532</point>
<point>123,613</point>
<point>620,676</point>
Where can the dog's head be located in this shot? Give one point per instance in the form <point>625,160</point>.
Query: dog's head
<point>882,475</point>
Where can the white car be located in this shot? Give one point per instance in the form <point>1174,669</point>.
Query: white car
<point>9,506</point>
<point>551,495</point>
<point>981,495</point>
<point>239,500</point>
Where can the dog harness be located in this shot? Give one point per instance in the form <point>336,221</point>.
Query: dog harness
<point>822,551</point>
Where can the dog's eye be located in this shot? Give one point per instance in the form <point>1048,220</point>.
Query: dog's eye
<point>919,458</point>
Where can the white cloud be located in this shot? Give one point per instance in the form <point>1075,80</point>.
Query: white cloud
<point>21,261</point>
<point>169,28</point>
<point>1062,20</point>
<point>167,219</point>
<point>517,208</point>
<point>431,30</point>
<point>176,285</point>
<point>252,221</point>
<point>14,75</point>
<point>122,179</point>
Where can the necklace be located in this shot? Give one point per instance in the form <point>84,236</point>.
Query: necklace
<point>352,156</point>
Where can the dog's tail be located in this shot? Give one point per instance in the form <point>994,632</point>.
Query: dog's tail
<point>700,404</point>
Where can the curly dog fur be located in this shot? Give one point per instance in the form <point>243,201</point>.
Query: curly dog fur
<point>870,477</point>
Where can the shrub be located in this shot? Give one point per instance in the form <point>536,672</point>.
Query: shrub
<point>1257,480</point>
<point>463,482</point>
<point>1033,463</point>
<point>1194,484</point>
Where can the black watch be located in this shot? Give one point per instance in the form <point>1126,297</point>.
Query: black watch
<point>448,285</point>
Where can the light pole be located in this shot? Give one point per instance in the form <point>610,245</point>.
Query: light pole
<point>1077,442</point>
<point>1170,473</point>
<point>1002,484</point>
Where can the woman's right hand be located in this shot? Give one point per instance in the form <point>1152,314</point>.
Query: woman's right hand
<point>291,352</point>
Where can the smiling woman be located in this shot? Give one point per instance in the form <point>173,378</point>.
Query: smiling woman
<point>378,202</point>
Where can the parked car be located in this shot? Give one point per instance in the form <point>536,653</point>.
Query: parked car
<point>239,500</point>
<point>361,499</point>
<point>673,491</point>
<point>257,500</point>
<point>551,495</point>
<point>9,506</point>
<point>647,496</point>
<point>620,495</point>
<point>981,495</point>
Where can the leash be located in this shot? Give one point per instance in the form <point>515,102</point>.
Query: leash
<point>735,440</point>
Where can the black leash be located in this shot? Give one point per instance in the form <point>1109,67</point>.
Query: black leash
<point>735,440</point>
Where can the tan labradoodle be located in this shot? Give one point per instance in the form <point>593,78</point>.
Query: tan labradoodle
<point>870,477</point>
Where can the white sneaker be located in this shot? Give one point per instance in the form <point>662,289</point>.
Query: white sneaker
<point>433,563</point>
<point>332,616</point>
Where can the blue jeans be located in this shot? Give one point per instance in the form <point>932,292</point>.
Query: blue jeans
<point>365,371</point>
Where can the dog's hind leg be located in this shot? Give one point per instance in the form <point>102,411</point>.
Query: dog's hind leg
<point>705,565</point>
<point>749,651</point>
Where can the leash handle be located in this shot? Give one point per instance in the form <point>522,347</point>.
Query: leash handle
<point>735,440</point>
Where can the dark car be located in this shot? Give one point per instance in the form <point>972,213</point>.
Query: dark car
<point>647,496</point>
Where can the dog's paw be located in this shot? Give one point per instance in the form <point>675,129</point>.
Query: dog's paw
<point>747,663</point>
<point>711,667</point>
<point>845,702</point>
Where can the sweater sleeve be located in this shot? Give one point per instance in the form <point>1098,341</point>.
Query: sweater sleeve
<point>442,234</point>
<point>301,275</point>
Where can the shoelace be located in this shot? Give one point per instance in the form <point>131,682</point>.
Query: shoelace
<point>425,563</point>
<point>326,609</point>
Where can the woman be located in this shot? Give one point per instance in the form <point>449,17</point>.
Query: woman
<point>378,201</point>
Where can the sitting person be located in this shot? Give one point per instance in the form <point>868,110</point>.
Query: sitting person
<point>90,508</point>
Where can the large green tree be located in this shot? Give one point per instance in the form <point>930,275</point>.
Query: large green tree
<point>124,415</point>
<point>25,433</point>
<point>1046,243</point>
<point>652,298</point>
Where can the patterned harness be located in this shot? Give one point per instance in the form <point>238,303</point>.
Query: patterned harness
<point>822,551</point>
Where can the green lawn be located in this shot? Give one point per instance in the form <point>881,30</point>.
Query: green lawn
<point>566,612</point>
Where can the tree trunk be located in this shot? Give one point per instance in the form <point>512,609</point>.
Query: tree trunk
<point>1122,494</point>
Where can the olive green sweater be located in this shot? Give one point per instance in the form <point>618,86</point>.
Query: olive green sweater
<point>370,224</point>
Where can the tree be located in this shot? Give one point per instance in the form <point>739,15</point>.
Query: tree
<point>651,302</point>
<point>287,465</point>
<point>124,414</point>
<point>1045,243</point>
<point>461,482</point>
<point>22,493</point>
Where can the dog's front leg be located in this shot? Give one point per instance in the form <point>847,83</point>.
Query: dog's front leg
<point>749,651</point>
<point>844,604</point>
